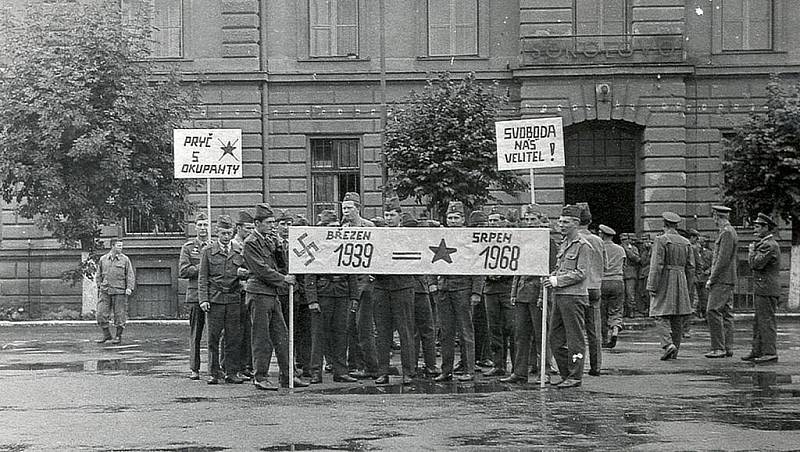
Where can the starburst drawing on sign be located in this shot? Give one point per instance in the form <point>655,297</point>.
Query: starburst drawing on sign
<point>227,149</point>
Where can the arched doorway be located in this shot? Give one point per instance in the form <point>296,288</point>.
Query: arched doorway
<point>601,168</point>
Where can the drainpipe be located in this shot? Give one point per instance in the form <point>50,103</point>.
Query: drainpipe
<point>262,88</point>
<point>384,167</point>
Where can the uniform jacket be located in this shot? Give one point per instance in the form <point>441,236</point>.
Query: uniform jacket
<point>598,259</point>
<point>702,263</point>
<point>282,259</point>
<point>331,286</point>
<point>259,258</point>
<point>671,273</point>
<point>364,281</point>
<point>497,284</point>
<point>115,274</point>
<point>189,261</point>
<point>723,265</point>
<point>453,283</point>
<point>631,268</point>
<point>218,279</point>
<point>526,288</point>
<point>394,282</point>
<point>616,261</point>
<point>765,261</point>
<point>644,261</point>
<point>572,267</point>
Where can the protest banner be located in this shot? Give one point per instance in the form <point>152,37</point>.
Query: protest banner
<point>530,143</point>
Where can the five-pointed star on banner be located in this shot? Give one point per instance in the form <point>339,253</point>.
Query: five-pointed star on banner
<point>442,252</point>
<point>227,149</point>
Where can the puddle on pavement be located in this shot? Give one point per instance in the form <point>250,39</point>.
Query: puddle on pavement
<point>100,365</point>
<point>426,387</point>
<point>194,399</point>
<point>348,445</point>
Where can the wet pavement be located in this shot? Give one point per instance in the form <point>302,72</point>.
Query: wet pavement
<point>61,391</point>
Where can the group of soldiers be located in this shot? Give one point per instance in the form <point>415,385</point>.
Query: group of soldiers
<point>239,291</point>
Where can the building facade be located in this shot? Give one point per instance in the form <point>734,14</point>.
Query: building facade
<point>647,90</point>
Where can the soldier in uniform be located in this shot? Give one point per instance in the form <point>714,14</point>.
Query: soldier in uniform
<point>424,325</point>
<point>570,286</point>
<point>671,276</point>
<point>719,314</point>
<point>480,322</point>
<point>702,269</point>
<point>268,329</point>
<point>643,297</point>
<point>219,293</point>
<point>188,267</point>
<point>457,295</point>
<point>612,289</point>
<point>630,273</point>
<point>115,283</point>
<point>594,335</point>
<point>244,226</point>
<point>526,299</point>
<point>499,312</point>
<point>361,326</point>
<point>764,257</point>
<point>394,309</point>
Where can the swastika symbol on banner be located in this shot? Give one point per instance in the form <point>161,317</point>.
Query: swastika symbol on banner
<point>307,249</point>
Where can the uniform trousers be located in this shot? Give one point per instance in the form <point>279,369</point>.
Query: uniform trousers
<point>361,334</point>
<point>594,334</point>
<point>394,309</point>
<point>765,328</point>
<point>224,317</point>
<point>500,314</point>
<point>329,334</point>
<point>527,332</point>
<point>701,292</point>
<point>643,301</point>
<point>108,304</point>
<point>720,316</point>
<point>455,311</point>
<point>197,322</point>
<point>268,331</point>
<point>630,297</point>
<point>424,331</point>
<point>245,354</point>
<point>568,335</point>
<point>480,326</point>
<point>302,329</point>
<point>670,329</point>
<point>611,293</point>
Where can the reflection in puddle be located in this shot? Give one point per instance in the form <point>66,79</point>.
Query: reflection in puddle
<point>100,365</point>
<point>427,387</point>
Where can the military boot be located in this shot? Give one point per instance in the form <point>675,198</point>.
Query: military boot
<point>106,336</point>
<point>118,339</point>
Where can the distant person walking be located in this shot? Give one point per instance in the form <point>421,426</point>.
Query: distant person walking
<point>115,282</point>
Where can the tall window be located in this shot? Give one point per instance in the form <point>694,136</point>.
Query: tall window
<point>452,27</point>
<point>137,223</point>
<point>746,24</point>
<point>334,172</point>
<point>333,27</point>
<point>166,18</point>
<point>602,23</point>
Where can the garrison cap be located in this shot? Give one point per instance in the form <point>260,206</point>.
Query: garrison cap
<point>477,216</point>
<point>766,219</point>
<point>378,221</point>
<point>571,210</point>
<point>300,220</point>
<point>531,209</point>
<point>244,217</point>
<point>201,216</point>
<point>224,222</point>
<point>586,214</point>
<point>721,209</point>
<point>352,196</point>
<point>671,217</point>
<point>284,215</point>
<point>694,232</point>
<point>607,230</point>
<point>408,220</point>
<point>391,203</point>
<point>455,207</point>
<point>326,217</point>
<point>263,211</point>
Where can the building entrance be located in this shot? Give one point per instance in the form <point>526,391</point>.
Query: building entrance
<point>602,168</point>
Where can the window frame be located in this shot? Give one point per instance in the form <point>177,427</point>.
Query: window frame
<point>181,27</point>
<point>777,22</point>
<point>478,27</point>
<point>336,170</point>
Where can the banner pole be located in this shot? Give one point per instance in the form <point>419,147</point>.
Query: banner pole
<point>533,192</point>
<point>208,203</point>
<point>291,336</point>
<point>543,351</point>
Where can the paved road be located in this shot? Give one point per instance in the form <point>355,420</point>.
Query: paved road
<point>60,391</point>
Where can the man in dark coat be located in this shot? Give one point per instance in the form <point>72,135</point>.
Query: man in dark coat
<point>720,285</point>
<point>671,275</point>
<point>764,257</point>
<point>188,267</point>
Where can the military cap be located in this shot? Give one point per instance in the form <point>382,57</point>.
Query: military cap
<point>378,221</point>
<point>455,207</point>
<point>571,210</point>
<point>407,220</point>
<point>300,220</point>
<point>326,217</point>
<point>531,209</point>
<point>263,211</point>
<point>224,222</point>
<point>244,217</point>
<point>586,215</point>
<point>765,219</point>
<point>721,209</point>
<point>495,210</point>
<point>607,230</point>
<point>671,217</point>
<point>694,232</point>
<point>283,215</point>
<point>201,216</point>
<point>391,203</point>
<point>352,196</point>
<point>477,216</point>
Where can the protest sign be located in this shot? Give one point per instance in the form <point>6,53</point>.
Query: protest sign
<point>530,143</point>
<point>207,153</point>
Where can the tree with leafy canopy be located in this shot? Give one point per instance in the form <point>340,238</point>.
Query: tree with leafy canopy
<point>762,166</point>
<point>86,121</point>
<point>440,144</point>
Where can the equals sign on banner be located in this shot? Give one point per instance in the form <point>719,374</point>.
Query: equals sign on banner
<point>406,256</point>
